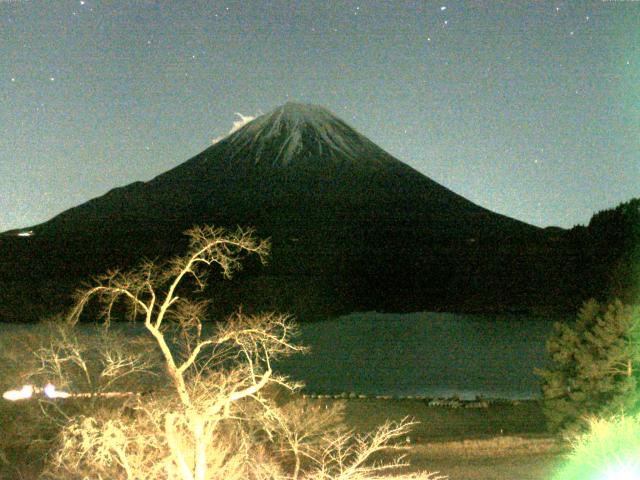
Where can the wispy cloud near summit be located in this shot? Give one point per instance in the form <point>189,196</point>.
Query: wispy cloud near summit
<point>237,125</point>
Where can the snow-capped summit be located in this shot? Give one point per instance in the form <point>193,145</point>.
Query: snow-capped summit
<point>299,130</point>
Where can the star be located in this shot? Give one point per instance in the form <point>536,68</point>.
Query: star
<point>82,2</point>
<point>51,79</point>
<point>446,22</point>
<point>13,79</point>
<point>443,8</point>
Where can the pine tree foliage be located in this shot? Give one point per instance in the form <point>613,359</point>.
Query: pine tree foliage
<point>595,366</point>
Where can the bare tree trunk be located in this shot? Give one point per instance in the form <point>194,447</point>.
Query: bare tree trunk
<point>174,447</point>
<point>199,448</point>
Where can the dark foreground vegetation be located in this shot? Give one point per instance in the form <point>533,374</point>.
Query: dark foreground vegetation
<point>322,273</point>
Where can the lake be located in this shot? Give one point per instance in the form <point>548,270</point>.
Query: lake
<point>429,354</point>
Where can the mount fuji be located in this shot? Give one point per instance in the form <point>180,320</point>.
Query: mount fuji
<point>352,228</point>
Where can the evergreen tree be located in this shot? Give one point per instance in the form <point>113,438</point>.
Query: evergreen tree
<point>608,253</point>
<point>595,366</point>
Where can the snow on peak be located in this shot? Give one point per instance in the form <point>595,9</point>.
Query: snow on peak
<point>296,127</point>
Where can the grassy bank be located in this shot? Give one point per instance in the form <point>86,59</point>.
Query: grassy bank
<point>445,423</point>
<point>505,441</point>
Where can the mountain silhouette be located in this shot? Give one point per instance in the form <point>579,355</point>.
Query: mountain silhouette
<point>352,228</point>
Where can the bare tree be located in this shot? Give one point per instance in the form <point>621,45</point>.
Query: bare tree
<point>218,419</point>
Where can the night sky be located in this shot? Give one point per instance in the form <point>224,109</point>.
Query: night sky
<point>530,109</point>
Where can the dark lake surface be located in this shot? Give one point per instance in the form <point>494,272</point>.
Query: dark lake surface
<point>429,354</point>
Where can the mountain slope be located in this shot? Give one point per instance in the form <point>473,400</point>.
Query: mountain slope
<point>296,152</point>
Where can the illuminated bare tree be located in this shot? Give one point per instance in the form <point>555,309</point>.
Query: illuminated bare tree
<point>219,419</point>
<point>142,290</point>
